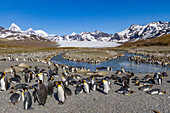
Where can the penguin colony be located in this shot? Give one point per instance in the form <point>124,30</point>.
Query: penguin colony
<point>91,59</point>
<point>43,57</point>
<point>40,91</point>
<point>164,61</point>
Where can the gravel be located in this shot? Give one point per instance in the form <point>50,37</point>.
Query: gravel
<point>93,102</point>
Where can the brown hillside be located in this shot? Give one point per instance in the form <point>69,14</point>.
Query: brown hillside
<point>160,41</point>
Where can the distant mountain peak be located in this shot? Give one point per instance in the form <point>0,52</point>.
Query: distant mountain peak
<point>72,34</point>
<point>132,33</point>
<point>14,27</point>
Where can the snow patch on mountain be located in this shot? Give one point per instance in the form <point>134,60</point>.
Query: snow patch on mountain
<point>14,27</point>
<point>133,33</point>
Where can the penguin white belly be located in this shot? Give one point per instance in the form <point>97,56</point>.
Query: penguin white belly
<point>106,87</point>
<point>155,93</point>
<point>63,79</point>
<point>86,87</point>
<point>94,87</point>
<point>3,85</point>
<point>61,94</point>
<point>26,105</point>
<point>159,81</point>
<point>41,77</point>
<point>146,89</point>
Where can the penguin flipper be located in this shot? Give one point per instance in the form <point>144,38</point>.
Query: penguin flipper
<point>155,111</point>
<point>35,99</point>
<point>65,95</point>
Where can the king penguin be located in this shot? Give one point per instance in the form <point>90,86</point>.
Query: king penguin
<point>60,93</point>
<point>27,101</point>
<point>86,87</point>
<point>41,93</point>
<point>106,87</point>
<point>50,86</point>
<point>4,82</point>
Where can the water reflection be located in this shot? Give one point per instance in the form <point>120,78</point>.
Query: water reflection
<point>115,63</point>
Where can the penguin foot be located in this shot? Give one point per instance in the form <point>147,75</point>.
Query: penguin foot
<point>61,103</point>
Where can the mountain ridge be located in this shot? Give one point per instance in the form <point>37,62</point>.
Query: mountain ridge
<point>132,33</point>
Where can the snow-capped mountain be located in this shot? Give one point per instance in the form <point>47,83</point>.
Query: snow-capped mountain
<point>133,33</point>
<point>15,33</point>
<point>136,32</point>
<point>87,36</point>
<point>14,27</point>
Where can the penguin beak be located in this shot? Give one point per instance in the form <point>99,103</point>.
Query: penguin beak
<point>132,92</point>
<point>164,92</point>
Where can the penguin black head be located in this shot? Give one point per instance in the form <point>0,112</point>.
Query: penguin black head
<point>36,75</point>
<point>50,79</point>
<point>132,74</point>
<point>132,92</point>
<point>60,82</point>
<point>40,81</point>
<point>56,83</point>
<point>24,89</point>
<point>49,67</point>
<point>164,92</point>
<point>12,87</point>
<point>4,73</point>
<point>11,66</point>
<point>11,92</point>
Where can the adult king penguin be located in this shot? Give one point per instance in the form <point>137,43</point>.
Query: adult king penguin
<point>4,82</point>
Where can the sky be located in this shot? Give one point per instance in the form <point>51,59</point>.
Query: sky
<point>62,17</point>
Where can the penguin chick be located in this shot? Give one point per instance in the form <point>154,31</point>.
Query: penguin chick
<point>50,86</point>
<point>41,93</point>
<point>67,91</point>
<point>79,89</point>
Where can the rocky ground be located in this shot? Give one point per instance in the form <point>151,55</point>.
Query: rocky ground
<point>95,101</point>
